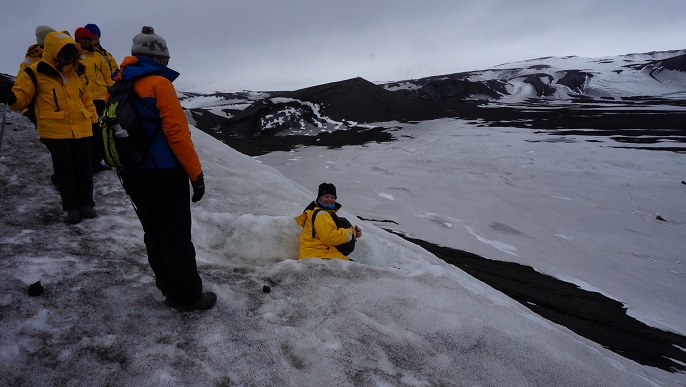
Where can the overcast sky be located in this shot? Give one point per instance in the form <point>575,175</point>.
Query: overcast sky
<point>286,45</point>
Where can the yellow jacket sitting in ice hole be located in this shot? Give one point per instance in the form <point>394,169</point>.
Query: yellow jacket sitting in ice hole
<point>327,235</point>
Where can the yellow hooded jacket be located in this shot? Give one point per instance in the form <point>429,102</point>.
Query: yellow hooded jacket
<point>64,107</point>
<point>327,235</point>
<point>98,74</point>
<point>33,55</point>
<point>113,65</point>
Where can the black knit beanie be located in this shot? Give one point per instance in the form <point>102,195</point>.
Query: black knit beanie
<point>326,188</point>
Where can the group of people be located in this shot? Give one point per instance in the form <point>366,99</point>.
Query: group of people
<point>64,82</point>
<point>62,87</point>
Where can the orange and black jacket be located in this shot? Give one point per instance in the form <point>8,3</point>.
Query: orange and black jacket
<point>161,115</point>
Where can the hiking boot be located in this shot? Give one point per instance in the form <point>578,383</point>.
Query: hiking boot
<point>206,301</point>
<point>88,212</point>
<point>73,217</point>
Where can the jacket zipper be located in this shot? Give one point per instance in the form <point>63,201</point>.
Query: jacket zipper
<point>54,97</point>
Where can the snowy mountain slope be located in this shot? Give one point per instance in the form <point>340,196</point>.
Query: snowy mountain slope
<point>398,316</point>
<point>523,91</point>
<point>560,78</point>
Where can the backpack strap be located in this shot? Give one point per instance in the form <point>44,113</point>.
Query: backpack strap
<point>314,215</point>
<point>31,109</point>
<point>31,75</point>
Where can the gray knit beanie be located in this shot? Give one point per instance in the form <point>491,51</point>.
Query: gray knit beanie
<point>41,31</point>
<point>148,44</point>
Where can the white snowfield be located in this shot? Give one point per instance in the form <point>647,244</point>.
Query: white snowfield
<point>398,316</point>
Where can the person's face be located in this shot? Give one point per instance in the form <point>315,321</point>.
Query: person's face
<point>67,57</point>
<point>327,199</point>
<point>96,39</point>
<point>84,43</point>
<point>65,60</point>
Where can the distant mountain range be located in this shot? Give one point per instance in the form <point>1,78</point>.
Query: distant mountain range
<point>574,94</point>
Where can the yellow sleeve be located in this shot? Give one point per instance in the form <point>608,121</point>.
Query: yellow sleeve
<point>328,232</point>
<point>87,99</point>
<point>24,90</point>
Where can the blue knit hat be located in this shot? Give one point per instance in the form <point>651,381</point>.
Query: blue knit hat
<point>93,29</point>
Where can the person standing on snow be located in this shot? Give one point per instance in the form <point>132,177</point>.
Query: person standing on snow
<point>35,51</point>
<point>33,54</point>
<point>99,78</point>
<point>65,119</point>
<point>95,30</point>
<point>320,237</point>
<point>158,185</point>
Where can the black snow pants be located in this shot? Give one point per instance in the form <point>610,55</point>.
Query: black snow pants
<point>71,161</point>
<point>162,200</point>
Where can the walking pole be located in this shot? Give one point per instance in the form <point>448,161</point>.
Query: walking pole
<point>2,129</point>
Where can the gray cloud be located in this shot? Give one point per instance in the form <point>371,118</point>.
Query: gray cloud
<point>274,44</point>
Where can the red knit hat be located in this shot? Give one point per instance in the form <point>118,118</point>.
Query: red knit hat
<point>82,33</point>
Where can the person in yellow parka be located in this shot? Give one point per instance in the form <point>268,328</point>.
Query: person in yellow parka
<point>65,119</point>
<point>95,30</point>
<point>99,78</point>
<point>33,54</point>
<point>35,51</point>
<point>97,69</point>
<point>320,237</point>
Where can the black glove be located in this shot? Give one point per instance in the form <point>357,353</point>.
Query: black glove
<point>6,94</point>
<point>198,187</point>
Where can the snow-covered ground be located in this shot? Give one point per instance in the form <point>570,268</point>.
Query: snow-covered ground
<point>574,208</point>
<point>397,316</point>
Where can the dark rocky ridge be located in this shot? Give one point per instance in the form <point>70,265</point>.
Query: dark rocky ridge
<point>360,100</point>
<point>347,102</point>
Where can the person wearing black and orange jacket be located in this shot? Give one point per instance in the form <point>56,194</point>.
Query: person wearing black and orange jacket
<point>158,185</point>
<point>65,118</point>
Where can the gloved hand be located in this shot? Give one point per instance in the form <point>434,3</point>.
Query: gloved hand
<point>6,94</point>
<point>357,231</point>
<point>198,188</point>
